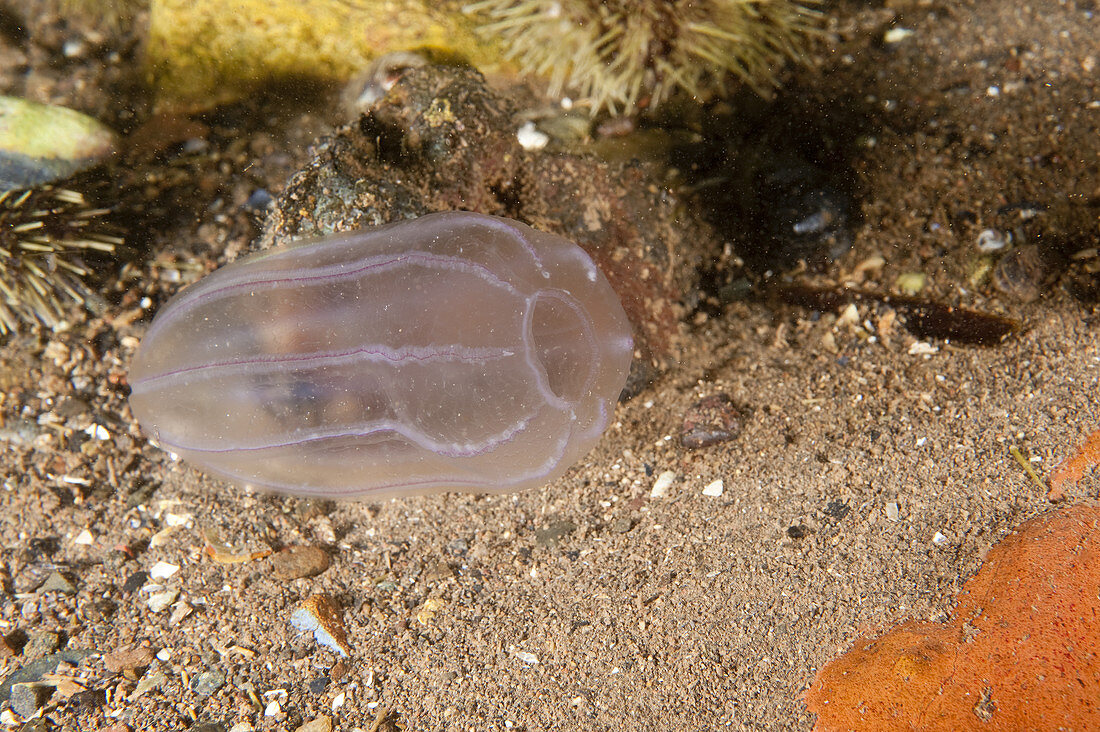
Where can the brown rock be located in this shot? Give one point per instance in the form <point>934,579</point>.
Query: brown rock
<point>128,659</point>
<point>321,724</point>
<point>442,140</point>
<point>711,420</point>
<point>296,562</point>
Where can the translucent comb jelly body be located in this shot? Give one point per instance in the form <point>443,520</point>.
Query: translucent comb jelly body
<point>456,351</point>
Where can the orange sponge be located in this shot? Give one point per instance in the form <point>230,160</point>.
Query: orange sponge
<point>1021,651</point>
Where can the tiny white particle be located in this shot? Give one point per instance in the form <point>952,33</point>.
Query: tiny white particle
<point>530,137</point>
<point>84,538</point>
<point>892,511</point>
<point>714,488</point>
<point>527,657</point>
<point>97,432</point>
<point>164,654</point>
<point>896,35</point>
<point>939,539</point>
<point>991,240</point>
<point>922,348</point>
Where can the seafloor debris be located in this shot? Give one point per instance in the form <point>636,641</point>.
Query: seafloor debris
<point>1073,468</point>
<point>921,317</point>
<point>1019,651</point>
<point>319,615</point>
<point>711,420</point>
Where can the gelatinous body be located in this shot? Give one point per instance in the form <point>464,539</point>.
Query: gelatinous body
<point>456,351</point>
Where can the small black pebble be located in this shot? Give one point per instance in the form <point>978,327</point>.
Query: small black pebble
<point>796,532</point>
<point>135,582</point>
<point>89,699</point>
<point>837,509</point>
<point>318,685</point>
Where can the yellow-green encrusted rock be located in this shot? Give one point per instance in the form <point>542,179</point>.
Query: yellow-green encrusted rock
<point>41,143</point>
<point>202,52</point>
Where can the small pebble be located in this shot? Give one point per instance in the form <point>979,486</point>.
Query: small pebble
<point>148,682</point>
<point>28,698</point>
<point>135,582</point>
<point>321,616</point>
<point>428,610</point>
<point>163,570</point>
<point>41,644</point>
<point>319,685</point>
<point>12,644</point>
<point>296,562</point>
<point>89,699</point>
<point>158,602</point>
<point>551,534</point>
<point>321,724</point>
<point>179,611</point>
<point>940,540</point>
<point>662,484</point>
<point>714,488</point>
<point>527,657</point>
<point>128,659</point>
<point>206,683</point>
<point>711,420</point>
<point>622,525</point>
<point>910,283</point>
<point>204,726</point>
<point>892,511</point>
<point>56,582</point>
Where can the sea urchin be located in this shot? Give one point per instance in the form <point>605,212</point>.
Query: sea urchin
<point>43,231</point>
<point>625,54</point>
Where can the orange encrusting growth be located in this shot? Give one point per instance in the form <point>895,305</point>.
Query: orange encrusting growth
<point>1020,652</point>
<point>1073,468</point>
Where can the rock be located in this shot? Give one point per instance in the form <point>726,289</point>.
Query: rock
<point>206,683</point>
<point>321,616</point>
<point>552,533</point>
<point>711,420</point>
<point>57,582</point>
<point>441,139</point>
<point>41,644</point>
<point>128,659</point>
<point>321,724</point>
<point>296,562</point>
<point>28,698</point>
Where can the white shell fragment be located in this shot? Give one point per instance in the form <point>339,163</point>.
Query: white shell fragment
<point>714,488</point>
<point>662,484</point>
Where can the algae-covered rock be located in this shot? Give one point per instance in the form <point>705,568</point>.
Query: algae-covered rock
<point>42,143</point>
<point>442,140</point>
<point>202,52</point>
